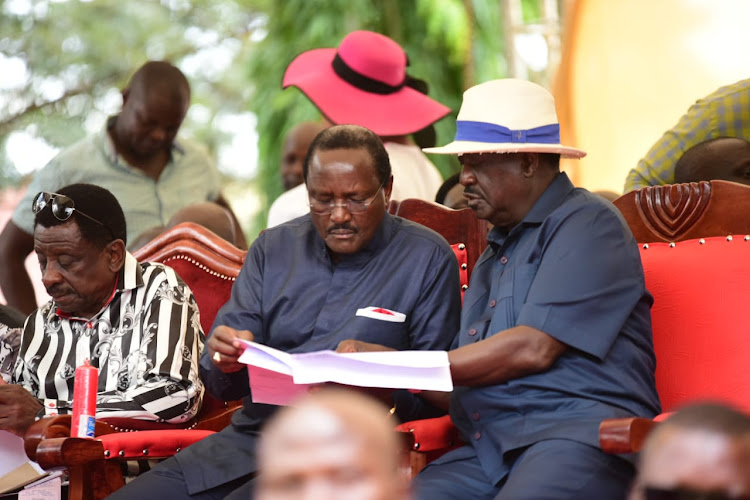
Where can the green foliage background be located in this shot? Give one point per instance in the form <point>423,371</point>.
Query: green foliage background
<point>87,50</point>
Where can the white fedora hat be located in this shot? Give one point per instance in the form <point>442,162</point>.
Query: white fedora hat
<point>507,116</point>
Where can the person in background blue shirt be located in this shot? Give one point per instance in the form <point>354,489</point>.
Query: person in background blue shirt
<point>347,273</point>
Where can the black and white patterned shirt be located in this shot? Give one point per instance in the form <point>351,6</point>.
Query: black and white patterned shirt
<point>146,343</point>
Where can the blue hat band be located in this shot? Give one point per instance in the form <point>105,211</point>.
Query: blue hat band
<point>489,132</point>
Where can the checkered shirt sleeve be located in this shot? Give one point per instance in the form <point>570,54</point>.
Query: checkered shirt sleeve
<point>725,113</point>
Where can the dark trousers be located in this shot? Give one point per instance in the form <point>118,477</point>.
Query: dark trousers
<point>167,482</point>
<point>556,469</point>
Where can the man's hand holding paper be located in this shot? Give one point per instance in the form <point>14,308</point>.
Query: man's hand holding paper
<point>382,369</point>
<point>225,348</point>
<point>351,345</point>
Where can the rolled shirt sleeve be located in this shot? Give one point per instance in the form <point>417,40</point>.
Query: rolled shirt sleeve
<point>576,290</point>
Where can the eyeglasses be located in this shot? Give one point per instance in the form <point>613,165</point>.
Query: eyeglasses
<point>62,206</point>
<point>686,494</point>
<point>352,206</point>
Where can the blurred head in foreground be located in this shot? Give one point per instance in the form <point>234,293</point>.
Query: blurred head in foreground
<point>332,444</point>
<point>700,452</point>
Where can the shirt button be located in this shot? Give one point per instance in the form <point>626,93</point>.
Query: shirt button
<point>475,416</point>
<point>493,303</point>
<point>473,331</point>
<point>477,435</point>
<point>503,260</point>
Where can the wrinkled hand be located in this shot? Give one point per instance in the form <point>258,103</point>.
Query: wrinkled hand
<point>224,349</point>
<point>351,345</point>
<point>18,408</point>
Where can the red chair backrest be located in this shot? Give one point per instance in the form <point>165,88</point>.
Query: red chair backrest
<point>701,292</point>
<point>205,262</point>
<point>466,234</point>
<point>678,212</point>
<point>209,265</point>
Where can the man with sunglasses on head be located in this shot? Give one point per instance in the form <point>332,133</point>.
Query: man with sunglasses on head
<point>136,322</point>
<point>137,157</point>
<point>347,273</point>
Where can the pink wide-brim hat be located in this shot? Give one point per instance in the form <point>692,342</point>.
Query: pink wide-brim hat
<point>507,116</point>
<point>363,83</point>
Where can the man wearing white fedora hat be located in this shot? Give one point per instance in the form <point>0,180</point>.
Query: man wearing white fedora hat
<point>555,329</point>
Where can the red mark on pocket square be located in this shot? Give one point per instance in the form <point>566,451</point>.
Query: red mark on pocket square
<point>383,311</point>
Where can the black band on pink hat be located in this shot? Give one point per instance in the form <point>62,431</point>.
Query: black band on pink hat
<point>361,81</point>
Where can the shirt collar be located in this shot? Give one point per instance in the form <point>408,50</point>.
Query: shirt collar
<point>551,198</point>
<point>131,275</point>
<point>111,153</point>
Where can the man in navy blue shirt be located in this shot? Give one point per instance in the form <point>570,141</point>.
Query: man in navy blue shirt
<point>555,328</point>
<point>346,273</point>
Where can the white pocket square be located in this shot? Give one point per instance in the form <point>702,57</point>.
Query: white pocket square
<point>382,314</point>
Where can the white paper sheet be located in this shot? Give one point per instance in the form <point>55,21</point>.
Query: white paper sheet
<point>15,467</point>
<point>42,490</point>
<point>424,370</point>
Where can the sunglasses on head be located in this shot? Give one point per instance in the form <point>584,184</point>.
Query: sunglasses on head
<point>62,207</point>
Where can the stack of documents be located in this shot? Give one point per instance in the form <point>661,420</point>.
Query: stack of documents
<point>277,377</point>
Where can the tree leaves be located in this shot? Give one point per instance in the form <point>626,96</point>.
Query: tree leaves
<point>78,54</point>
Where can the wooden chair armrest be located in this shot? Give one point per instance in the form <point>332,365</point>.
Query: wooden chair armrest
<point>624,435</point>
<point>66,452</point>
<point>52,428</point>
<point>45,428</point>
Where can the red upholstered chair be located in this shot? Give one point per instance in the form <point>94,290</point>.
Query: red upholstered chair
<point>466,234</point>
<point>456,226</point>
<point>209,265</point>
<point>428,439</point>
<point>701,288</point>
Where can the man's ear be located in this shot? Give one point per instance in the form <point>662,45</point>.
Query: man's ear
<point>115,255</point>
<point>529,164</point>
<point>125,94</point>
<point>387,188</point>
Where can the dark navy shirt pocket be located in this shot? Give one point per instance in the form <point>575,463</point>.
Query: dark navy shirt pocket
<point>509,295</point>
<point>378,331</point>
<point>523,277</point>
<point>500,305</point>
